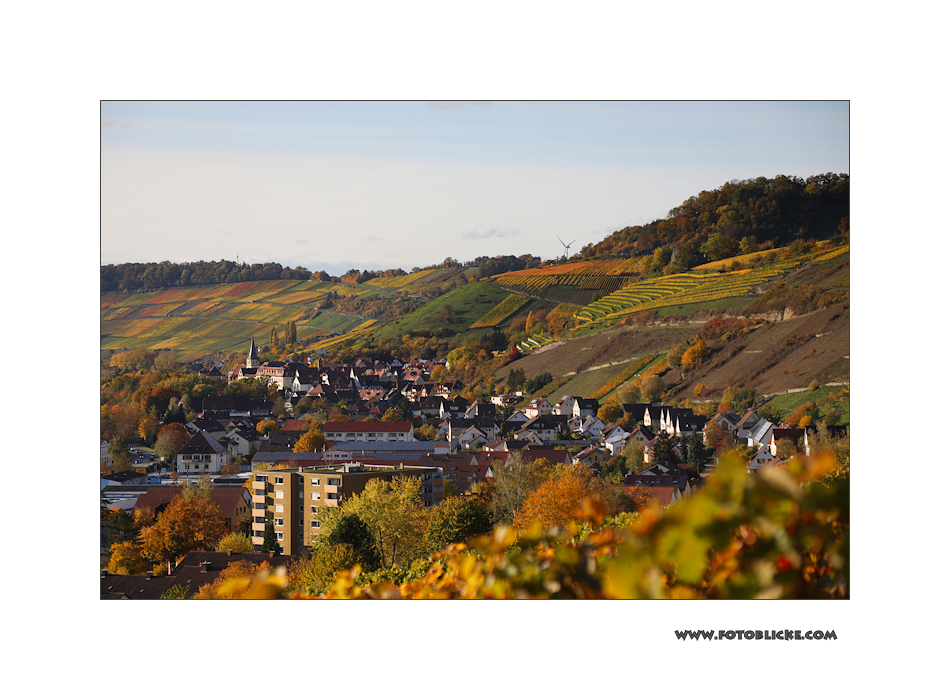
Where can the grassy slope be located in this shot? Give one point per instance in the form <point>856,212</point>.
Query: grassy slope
<point>469,303</point>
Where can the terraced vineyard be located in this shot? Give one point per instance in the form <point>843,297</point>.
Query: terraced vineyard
<point>506,308</point>
<point>684,288</point>
<point>600,275</point>
<point>201,320</point>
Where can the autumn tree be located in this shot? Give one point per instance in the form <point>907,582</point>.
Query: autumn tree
<point>312,575</point>
<point>651,387</point>
<point>191,522</point>
<point>513,482</point>
<point>171,438</point>
<point>311,441</point>
<point>236,542</point>
<point>127,559</point>
<point>695,354</point>
<point>555,502</point>
<point>610,412</point>
<point>633,453</point>
<point>394,514</point>
<point>265,426</point>
<point>236,570</point>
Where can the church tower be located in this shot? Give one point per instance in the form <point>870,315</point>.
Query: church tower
<point>252,362</point>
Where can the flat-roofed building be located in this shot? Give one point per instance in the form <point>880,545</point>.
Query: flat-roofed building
<point>293,496</point>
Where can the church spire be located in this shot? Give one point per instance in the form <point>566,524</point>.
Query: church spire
<point>252,356</point>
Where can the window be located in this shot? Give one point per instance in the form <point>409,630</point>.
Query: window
<point>300,507</point>
<point>300,523</point>
<point>280,535</point>
<point>314,495</point>
<point>299,479</point>
<point>279,508</point>
<point>314,523</point>
<point>278,479</point>
<point>279,522</point>
<point>315,481</point>
<point>333,482</point>
<point>300,494</point>
<point>313,509</point>
<point>333,496</point>
<point>278,494</point>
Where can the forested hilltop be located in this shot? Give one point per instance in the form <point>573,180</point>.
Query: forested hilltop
<point>741,215</point>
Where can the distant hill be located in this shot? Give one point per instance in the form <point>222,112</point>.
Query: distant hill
<point>765,212</point>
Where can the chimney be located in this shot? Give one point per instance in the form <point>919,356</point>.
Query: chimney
<point>229,552</point>
<point>270,554</point>
<point>204,566</point>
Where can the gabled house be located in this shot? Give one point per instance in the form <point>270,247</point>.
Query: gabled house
<point>538,407</point>
<point>758,460</point>
<point>592,456</point>
<point>652,417</point>
<point>761,433</point>
<point>545,427</point>
<point>793,434</point>
<point>614,438</point>
<point>591,426</point>
<point>745,425</point>
<point>203,454</point>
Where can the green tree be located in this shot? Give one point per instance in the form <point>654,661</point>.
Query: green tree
<point>121,526</point>
<point>270,536</point>
<point>457,519</point>
<point>663,449</point>
<point>350,530</point>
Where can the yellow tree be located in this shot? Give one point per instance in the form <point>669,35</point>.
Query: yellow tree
<point>311,441</point>
<point>394,514</point>
<point>235,571</point>
<point>127,559</point>
<point>695,354</point>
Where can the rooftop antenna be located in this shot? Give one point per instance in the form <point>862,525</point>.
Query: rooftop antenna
<point>567,247</point>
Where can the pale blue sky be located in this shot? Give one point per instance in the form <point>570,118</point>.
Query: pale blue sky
<point>374,185</point>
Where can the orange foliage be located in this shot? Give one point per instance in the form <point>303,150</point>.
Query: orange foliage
<point>555,502</point>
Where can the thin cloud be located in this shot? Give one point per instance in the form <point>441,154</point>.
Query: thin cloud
<point>109,124</point>
<point>225,233</point>
<point>483,232</point>
<point>301,241</point>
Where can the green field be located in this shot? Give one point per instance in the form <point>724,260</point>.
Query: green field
<point>468,304</point>
<point>787,403</point>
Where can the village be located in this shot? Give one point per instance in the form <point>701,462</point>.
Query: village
<point>393,421</point>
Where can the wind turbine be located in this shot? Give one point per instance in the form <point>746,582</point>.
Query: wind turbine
<point>567,247</point>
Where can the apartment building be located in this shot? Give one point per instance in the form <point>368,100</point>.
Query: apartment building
<point>293,496</point>
<point>368,431</point>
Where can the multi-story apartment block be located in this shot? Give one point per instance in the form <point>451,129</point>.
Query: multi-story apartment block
<point>293,496</point>
<point>372,431</point>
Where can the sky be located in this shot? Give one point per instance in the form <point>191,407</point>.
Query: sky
<point>377,185</point>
